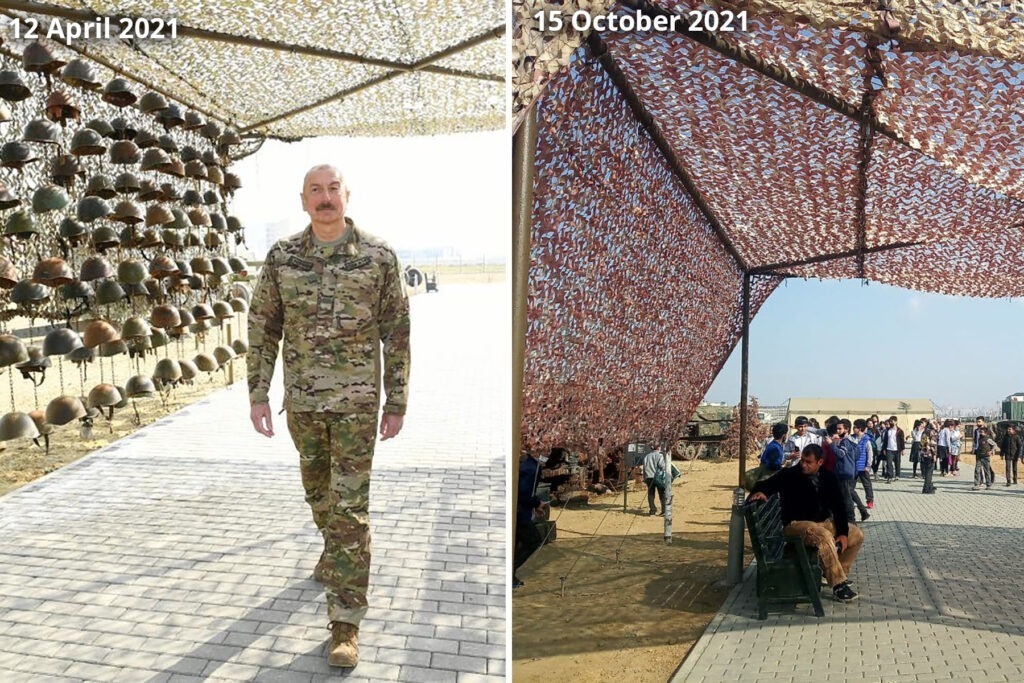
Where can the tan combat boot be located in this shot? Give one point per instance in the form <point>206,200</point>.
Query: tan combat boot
<point>344,648</point>
<point>318,570</point>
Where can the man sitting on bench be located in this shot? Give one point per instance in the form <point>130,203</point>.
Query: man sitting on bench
<point>813,508</point>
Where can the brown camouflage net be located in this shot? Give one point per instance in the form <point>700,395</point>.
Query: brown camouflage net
<point>634,302</point>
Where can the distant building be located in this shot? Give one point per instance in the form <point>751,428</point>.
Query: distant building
<point>906,410</point>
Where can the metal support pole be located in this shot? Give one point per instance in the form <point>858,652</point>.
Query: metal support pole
<point>524,143</point>
<point>734,564</point>
<point>667,506</point>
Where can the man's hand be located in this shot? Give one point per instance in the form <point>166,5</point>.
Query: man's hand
<point>390,425</point>
<point>260,416</point>
<point>843,542</point>
<point>758,496</point>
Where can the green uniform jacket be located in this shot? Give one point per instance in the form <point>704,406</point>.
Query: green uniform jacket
<point>334,306</point>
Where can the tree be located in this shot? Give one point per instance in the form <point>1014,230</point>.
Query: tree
<point>757,432</point>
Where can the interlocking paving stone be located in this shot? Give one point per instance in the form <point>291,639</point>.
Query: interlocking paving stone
<point>939,585</point>
<point>185,551</point>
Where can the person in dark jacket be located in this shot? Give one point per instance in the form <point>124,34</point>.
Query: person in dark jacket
<point>982,451</point>
<point>527,536</point>
<point>847,453</point>
<point>813,506</point>
<point>1010,447</point>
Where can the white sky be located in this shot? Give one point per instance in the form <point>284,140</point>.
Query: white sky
<point>416,193</point>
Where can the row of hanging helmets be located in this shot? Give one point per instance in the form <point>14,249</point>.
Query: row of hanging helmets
<point>116,237</point>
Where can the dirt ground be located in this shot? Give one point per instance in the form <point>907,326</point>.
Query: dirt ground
<point>633,607</point>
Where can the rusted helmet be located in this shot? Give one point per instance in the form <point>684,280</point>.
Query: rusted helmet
<point>118,92</point>
<point>73,231</point>
<point>80,73</point>
<point>222,310</point>
<point>99,332</point>
<point>17,425</point>
<point>205,362</point>
<point>232,182</point>
<point>240,347</point>
<point>127,183</point>
<point>101,126</point>
<point>140,386</point>
<point>16,154</point>
<point>61,341</point>
<point>220,266</point>
<point>211,197</point>
<point>109,291</point>
<point>229,137</point>
<point>175,168</point>
<point>162,266</point>
<point>167,370</point>
<point>36,362</point>
<point>20,225</point>
<point>223,355</point>
<point>194,120</point>
<point>8,274</point>
<point>171,117</point>
<point>167,144</point>
<point>104,237</point>
<point>145,139</point>
<point>39,419</point>
<point>239,305</point>
<point>52,272</point>
<point>195,169</point>
<point>12,88</point>
<point>111,349</point>
<point>131,271</point>
<point>135,327</point>
<point>64,169</point>
<point>75,290</point>
<point>28,293</point>
<point>7,198</point>
<point>215,175</point>
<point>152,102</point>
<point>211,131</point>
<point>124,129</point>
<point>104,396</point>
<point>164,316</point>
<point>64,410</point>
<point>158,214</point>
<point>170,192</point>
<point>60,108</point>
<point>149,192</point>
<point>202,312</point>
<point>12,350</point>
<point>154,159</point>
<point>100,186</point>
<point>49,198</point>
<point>87,142</point>
<point>41,130</point>
<point>149,239</point>
<point>128,212</point>
<point>92,208</point>
<point>125,152</point>
<point>37,58</point>
<point>199,218</point>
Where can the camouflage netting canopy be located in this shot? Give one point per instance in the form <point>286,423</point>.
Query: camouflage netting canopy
<point>831,139</point>
<point>309,67</point>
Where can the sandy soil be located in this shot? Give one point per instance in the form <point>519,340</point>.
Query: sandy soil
<point>634,619</point>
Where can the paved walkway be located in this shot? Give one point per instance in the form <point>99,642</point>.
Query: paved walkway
<point>940,580</point>
<point>185,551</point>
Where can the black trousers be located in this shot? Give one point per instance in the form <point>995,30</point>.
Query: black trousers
<point>927,470</point>
<point>651,488</point>
<point>527,541</point>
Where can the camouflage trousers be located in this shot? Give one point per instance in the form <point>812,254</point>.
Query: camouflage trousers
<point>335,452</point>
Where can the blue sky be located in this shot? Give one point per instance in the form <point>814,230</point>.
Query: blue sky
<point>878,341</point>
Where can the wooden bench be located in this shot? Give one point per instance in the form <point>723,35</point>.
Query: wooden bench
<point>787,572</point>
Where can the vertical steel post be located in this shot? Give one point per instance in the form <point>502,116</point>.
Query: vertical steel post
<point>734,563</point>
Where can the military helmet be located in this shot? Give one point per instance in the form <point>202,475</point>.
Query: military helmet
<point>73,231</point>
<point>215,175</point>
<point>199,218</point>
<point>152,102</point>
<point>8,273</point>
<point>199,326</point>
<point>37,58</point>
<point>150,239</point>
<point>222,310</point>
<point>170,192</point>
<point>164,316</point>
<point>109,291</point>
<point>220,266</point>
<point>167,370</point>
<point>175,168</point>
<point>81,355</point>
<point>239,305</point>
<point>101,126</point>
<point>172,238</point>
<point>223,354</point>
<point>210,198</point>
<point>12,88</point>
<point>127,183</point>
<point>210,131</point>
<point>158,338</point>
<point>171,117</point>
<point>76,289</point>
<point>194,120</point>
<point>124,129</point>
<point>41,130</point>
<point>205,362</point>
<point>140,386</point>
<point>196,282</point>
<point>240,347</point>
<point>104,396</point>
<point>17,425</point>
<point>232,182</point>
<point>155,159</point>
<point>195,169</point>
<point>49,198</point>
<point>191,198</point>
<point>112,348</point>
<point>238,266</point>
<point>158,214</point>
<point>201,265</point>
<point>135,327</point>
<point>87,142</point>
<point>92,208</point>
<point>20,224</point>
<point>210,159</point>
<point>104,237</point>
<point>63,410</point>
<point>118,92</point>
<point>7,198</point>
<point>229,137</point>
<point>29,293</point>
<point>162,266</point>
<point>60,107</point>
<point>80,73</point>
<point>125,152</point>
<point>128,212</point>
<point>202,312</point>
<point>131,272</point>
<point>52,272</point>
<point>99,332</point>
<point>189,371</point>
<point>185,317</point>
<point>167,144</point>
<point>16,154</point>
<point>64,169</point>
<point>145,139</point>
<point>12,350</point>
<point>61,341</point>
<point>100,186</point>
<point>189,153</point>
<point>149,192</point>
<point>35,362</point>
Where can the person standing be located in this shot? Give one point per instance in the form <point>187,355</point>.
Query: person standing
<point>529,508</point>
<point>799,440</point>
<point>982,451</point>
<point>928,453</point>
<point>915,445</point>
<point>654,462</point>
<point>1010,448</point>
<point>865,455</point>
<point>333,294</point>
<point>942,448</point>
<point>894,446</point>
<point>956,440</point>
<point>847,454</point>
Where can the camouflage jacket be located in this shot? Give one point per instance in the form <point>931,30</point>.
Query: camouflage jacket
<point>334,306</point>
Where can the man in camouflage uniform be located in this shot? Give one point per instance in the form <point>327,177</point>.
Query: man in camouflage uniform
<point>334,294</point>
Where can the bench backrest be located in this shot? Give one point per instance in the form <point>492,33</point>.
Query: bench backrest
<point>764,522</point>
